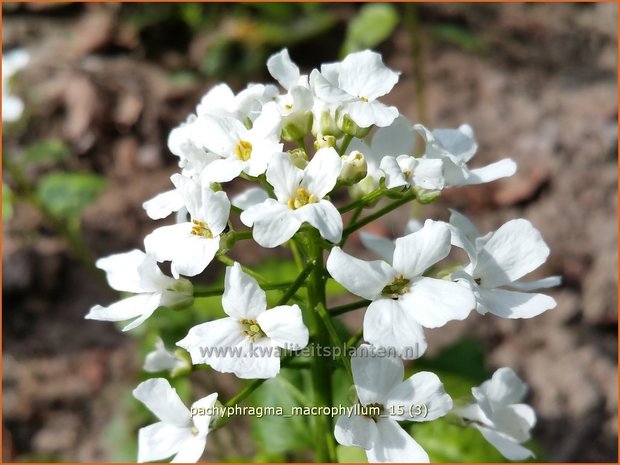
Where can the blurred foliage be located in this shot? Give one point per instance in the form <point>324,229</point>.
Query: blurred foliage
<point>460,36</point>
<point>65,195</point>
<point>373,24</point>
<point>7,202</point>
<point>46,152</point>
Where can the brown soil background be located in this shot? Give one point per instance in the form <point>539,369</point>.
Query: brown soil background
<point>544,93</point>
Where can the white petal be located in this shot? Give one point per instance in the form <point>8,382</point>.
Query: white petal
<point>515,420</point>
<point>218,100</point>
<point>423,397</point>
<point>201,422</point>
<point>355,430</point>
<point>393,444</point>
<point>388,325</point>
<point>219,134</point>
<point>365,114</point>
<point>274,223</point>
<point>249,197</point>
<point>285,326</point>
<point>457,142</point>
<point>513,304</point>
<point>396,139</point>
<point>326,90</point>
<point>162,399</point>
<point>428,174</point>
<point>512,251</point>
<point>415,253</point>
<point>141,305</point>
<point>243,297</point>
<point>283,70</point>
<point>543,283</point>
<point>190,254</point>
<point>284,177</point>
<point>375,373</point>
<point>321,174</point>
<point>394,176</point>
<point>222,170</point>
<point>211,342</point>
<point>324,217</point>
<point>412,226</point>
<point>164,204</point>
<point>160,441</point>
<point>215,210</point>
<point>507,446</point>
<point>160,359</point>
<point>473,412</point>
<point>504,387</point>
<point>262,360</point>
<point>362,278</point>
<point>497,170</point>
<point>383,247</point>
<point>463,223</point>
<point>191,450</point>
<point>434,302</point>
<point>122,271</point>
<point>12,107</point>
<point>363,74</point>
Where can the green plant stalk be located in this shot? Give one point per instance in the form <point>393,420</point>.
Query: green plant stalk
<point>204,291</point>
<point>230,262</point>
<point>321,371</point>
<point>363,201</point>
<point>299,282</point>
<point>335,311</point>
<point>345,144</point>
<point>378,214</point>
<point>333,334</point>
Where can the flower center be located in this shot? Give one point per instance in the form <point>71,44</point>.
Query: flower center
<point>363,99</point>
<point>200,228</point>
<point>373,411</point>
<point>252,330</point>
<point>195,431</point>
<point>396,288</point>
<point>288,106</point>
<point>243,150</point>
<point>302,197</point>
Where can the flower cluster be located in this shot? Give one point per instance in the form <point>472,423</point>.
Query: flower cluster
<point>305,145</point>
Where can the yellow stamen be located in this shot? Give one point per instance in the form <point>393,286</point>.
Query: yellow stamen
<point>252,330</point>
<point>302,197</point>
<point>200,228</point>
<point>398,287</point>
<point>243,150</point>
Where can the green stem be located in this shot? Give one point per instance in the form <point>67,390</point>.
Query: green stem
<point>333,334</point>
<point>355,338</point>
<point>230,262</point>
<point>321,370</point>
<point>299,282</point>
<point>378,214</point>
<point>335,311</point>
<point>345,144</point>
<point>202,291</point>
<point>363,201</point>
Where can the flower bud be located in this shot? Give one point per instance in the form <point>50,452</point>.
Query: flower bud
<point>354,168</point>
<point>425,196</point>
<point>324,142</point>
<point>365,186</point>
<point>299,157</point>
<point>296,126</point>
<point>184,367</point>
<point>180,295</point>
<point>350,127</point>
<point>326,125</point>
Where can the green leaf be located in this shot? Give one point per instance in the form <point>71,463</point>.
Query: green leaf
<point>278,434</point>
<point>7,203</point>
<point>446,442</point>
<point>65,195</point>
<point>373,24</point>
<point>351,455</point>
<point>46,152</point>
<point>460,36</point>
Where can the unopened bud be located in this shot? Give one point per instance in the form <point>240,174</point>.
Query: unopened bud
<point>326,125</point>
<point>354,168</point>
<point>365,186</point>
<point>299,157</point>
<point>425,196</point>
<point>296,126</point>
<point>324,142</point>
<point>350,127</point>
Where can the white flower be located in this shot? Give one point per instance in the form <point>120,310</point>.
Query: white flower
<point>384,247</point>
<point>499,259</point>
<point>455,147</point>
<point>354,85</point>
<point>247,342</point>
<point>12,63</point>
<point>161,359</point>
<point>179,433</point>
<point>247,104</point>
<point>249,197</point>
<point>191,246</point>
<point>403,299</point>
<point>138,273</point>
<point>379,383</point>
<point>499,415</point>
<point>239,148</point>
<point>300,197</point>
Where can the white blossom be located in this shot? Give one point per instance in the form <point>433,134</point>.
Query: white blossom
<point>161,359</point>
<point>12,62</point>
<point>499,414</point>
<point>178,433</point>
<point>191,245</point>
<point>299,198</point>
<point>403,300</point>
<point>379,384</point>
<point>354,85</point>
<point>247,342</point>
<point>137,273</point>
<point>499,259</point>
